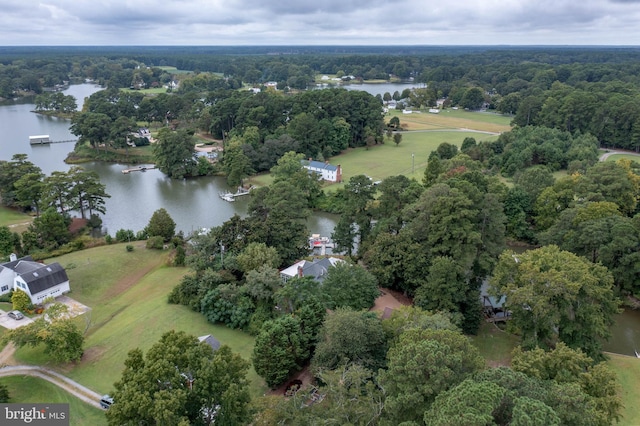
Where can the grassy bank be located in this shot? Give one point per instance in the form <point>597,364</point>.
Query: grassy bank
<point>31,389</point>
<point>137,155</point>
<point>127,292</point>
<point>14,219</point>
<point>631,157</point>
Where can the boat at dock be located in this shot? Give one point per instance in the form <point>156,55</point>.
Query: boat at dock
<point>227,196</point>
<point>231,197</point>
<point>317,241</point>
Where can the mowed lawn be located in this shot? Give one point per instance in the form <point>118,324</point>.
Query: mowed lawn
<point>409,158</point>
<point>127,292</point>
<point>628,371</point>
<point>631,157</point>
<point>31,389</point>
<point>14,219</point>
<point>454,119</point>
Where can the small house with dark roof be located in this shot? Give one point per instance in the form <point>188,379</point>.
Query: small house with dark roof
<point>325,171</point>
<point>211,341</point>
<point>317,269</point>
<point>38,280</point>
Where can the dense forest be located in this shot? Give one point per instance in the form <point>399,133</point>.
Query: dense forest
<point>439,240</point>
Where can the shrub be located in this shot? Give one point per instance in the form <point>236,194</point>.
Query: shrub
<point>20,300</point>
<point>6,297</point>
<point>156,242</point>
<point>108,239</point>
<point>129,247</point>
<point>124,235</point>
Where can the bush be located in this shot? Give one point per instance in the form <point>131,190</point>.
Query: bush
<point>20,300</point>
<point>124,235</point>
<point>156,242</point>
<point>108,239</point>
<point>129,247</point>
<point>6,297</point>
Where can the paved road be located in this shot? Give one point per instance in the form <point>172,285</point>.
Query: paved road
<point>609,153</point>
<point>74,388</point>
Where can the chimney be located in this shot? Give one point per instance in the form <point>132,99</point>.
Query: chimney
<point>13,257</point>
<point>300,274</point>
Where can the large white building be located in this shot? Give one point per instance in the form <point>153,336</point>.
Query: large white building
<point>38,280</point>
<point>324,170</point>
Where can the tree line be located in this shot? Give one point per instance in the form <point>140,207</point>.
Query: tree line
<point>52,199</point>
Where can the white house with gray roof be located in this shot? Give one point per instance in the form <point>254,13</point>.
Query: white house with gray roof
<point>38,280</point>
<point>325,171</point>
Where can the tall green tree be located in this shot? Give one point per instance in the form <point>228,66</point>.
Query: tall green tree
<point>161,224</point>
<point>60,335</point>
<point>279,350</point>
<point>351,337</point>
<point>10,173</point>
<point>87,192</point>
<point>556,296</point>
<point>174,153</point>
<point>92,127</point>
<point>181,381</point>
<point>350,286</point>
<point>421,365</point>
<point>28,191</point>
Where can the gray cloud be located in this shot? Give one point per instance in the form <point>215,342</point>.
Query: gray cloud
<point>319,22</point>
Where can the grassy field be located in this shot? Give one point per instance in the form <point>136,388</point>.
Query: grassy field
<point>616,157</point>
<point>454,119</point>
<point>628,371</point>
<point>151,91</point>
<point>495,345</point>
<point>127,292</point>
<point>13,218</point>
<point>174,70</point>
<point>409,158</point>
<point>31,389</point>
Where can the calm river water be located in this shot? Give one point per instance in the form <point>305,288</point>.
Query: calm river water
<point>192,203</point>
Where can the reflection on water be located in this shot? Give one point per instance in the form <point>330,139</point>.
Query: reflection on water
<point>625,332</point>
<point>192,203</point>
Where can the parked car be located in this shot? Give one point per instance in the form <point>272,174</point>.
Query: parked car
<point>106,401</point>
<point>16,315</point>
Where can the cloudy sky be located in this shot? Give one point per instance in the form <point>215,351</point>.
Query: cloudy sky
<point>319,22</point>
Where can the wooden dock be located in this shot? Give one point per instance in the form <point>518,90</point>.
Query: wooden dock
<point>231,197</point>
<point>138,169</point>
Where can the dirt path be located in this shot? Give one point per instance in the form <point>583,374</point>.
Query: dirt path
<point>6,355</point>
<point>74,388</point>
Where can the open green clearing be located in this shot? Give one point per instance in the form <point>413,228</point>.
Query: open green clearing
<point>150,91</point>
<point>9,217</point>
<point>628,371</point>
<point>128,295</point>
<point>31,389</point>
<point>409,158</point>
<point>174,70</point>
<point>495,345</point>
<point>454,119</point>
<point>631,157</point>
